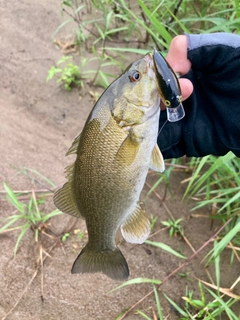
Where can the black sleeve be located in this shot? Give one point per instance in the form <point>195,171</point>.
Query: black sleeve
<point>212,121</point>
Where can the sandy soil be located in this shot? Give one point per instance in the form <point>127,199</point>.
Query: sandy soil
<point>38,122</point>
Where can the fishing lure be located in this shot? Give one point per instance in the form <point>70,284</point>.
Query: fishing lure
<point>169,87</point>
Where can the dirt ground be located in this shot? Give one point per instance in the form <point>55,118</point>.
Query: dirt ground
<point>38,122</point>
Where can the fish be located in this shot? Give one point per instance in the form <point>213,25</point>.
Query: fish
<point>169,87</point>
<point>116,148</point>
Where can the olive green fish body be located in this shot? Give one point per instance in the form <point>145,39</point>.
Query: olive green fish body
<point>117,186</point>
<point>114,152</point>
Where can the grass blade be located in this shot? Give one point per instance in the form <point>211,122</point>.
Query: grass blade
<point>12,198</point>
<point>176,307</point>
<point>166,248</point>
<point>25,227</point>
<point>143,315</point>
<point>159,310</point>
<point>221,245</point>
<point>137,281</point>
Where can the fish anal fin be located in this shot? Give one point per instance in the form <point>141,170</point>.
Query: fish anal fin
<point>64,198</point>
<point>136,228</point>
<point>109,262</point>
<point>157,162</point>
<point>74,146</point>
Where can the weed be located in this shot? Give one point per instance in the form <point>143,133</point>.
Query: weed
<point>65,236</point>
<point>166,248</point>
<point>153,221</point>
<point>216,183</point>
<point>204,307</point>
<point>174,227</point>
<point>99,32</point>
<point>27,216</point>
<point>159,314</point>
<point>185,275</point>
<point>69,75</point>
<point>79,233</point>
<point>126,28</point>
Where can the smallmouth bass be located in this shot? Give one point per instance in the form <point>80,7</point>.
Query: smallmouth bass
<point>116,148</point>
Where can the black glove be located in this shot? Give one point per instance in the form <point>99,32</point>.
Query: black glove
<point>212,121</point>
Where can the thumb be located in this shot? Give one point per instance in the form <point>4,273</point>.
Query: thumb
<point>177,58</point>
<point>177,55</point>
<point>186,88</point>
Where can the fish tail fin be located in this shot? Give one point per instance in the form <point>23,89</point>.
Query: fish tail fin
<point>110,262</point>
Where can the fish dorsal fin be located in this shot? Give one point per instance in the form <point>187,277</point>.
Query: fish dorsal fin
<point>74,146</point>
<point>157,162</point>
<point>64,198</point>
<point>136,228</point>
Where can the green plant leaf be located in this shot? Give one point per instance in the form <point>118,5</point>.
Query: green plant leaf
<point>61,26</point>
<point>131,50</point>
<point>24,229</point>
<point>176,307</point>
<point>66,3</point>
<point>157,26</point>
<point>137,281</point>
<point>50,215</point>
<point>221,245</point>
<point>225,305</point>
<point>159,310</point>
<point>12,198</point>
<point>143,315</point>
<point>166,248</point>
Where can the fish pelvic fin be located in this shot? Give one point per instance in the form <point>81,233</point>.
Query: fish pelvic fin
<point>109,262</point>
<point>157,162</point>
<point>136,228</point>
<point>64,198</point>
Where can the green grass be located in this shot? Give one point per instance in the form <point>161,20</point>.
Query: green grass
<point>69,75</point>
<point>26,216</point>
<point>120,28</point>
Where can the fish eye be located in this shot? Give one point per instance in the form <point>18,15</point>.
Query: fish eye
<point>135,76</point>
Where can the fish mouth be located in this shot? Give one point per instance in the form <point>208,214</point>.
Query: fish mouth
<point>165,75</point>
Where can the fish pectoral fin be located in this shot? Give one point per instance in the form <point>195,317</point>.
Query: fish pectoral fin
<point>136,228</point>
<point>128,150</point>
<point>64,198</point>
<point>157,162</point>
<point>74,146</point>
<point>110,262</point>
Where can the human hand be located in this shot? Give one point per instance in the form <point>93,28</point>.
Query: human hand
<point>209,63</point>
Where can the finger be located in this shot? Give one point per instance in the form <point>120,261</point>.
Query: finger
<point>177,55</point>
<point>186,88</point>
